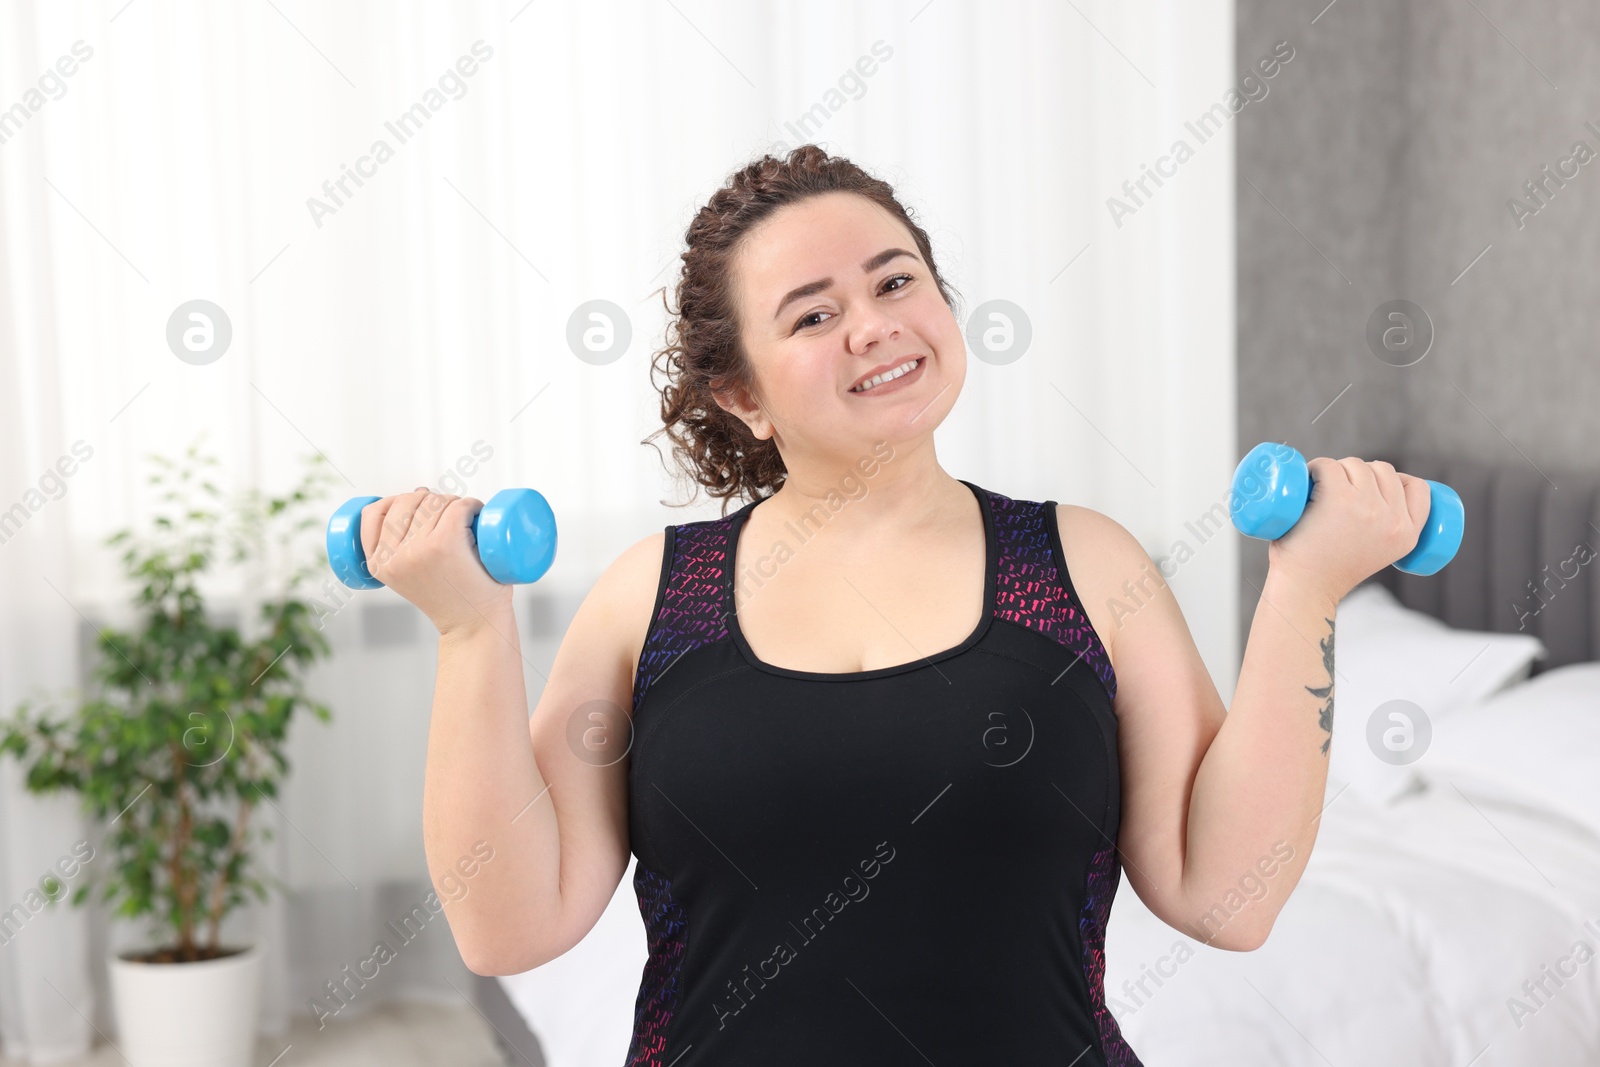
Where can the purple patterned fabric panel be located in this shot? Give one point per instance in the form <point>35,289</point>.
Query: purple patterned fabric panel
<point>666,932</point>
<point>691,615</point>
<point>1029,590</point>
<point>691,608</point>
<point>1104,873</point>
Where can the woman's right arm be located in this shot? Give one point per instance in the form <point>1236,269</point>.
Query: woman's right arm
<point>526,836</point>
<point>548,794</point>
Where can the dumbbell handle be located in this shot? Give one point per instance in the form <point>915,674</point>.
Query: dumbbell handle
<point>1282,488</point>
<point>515,533</point>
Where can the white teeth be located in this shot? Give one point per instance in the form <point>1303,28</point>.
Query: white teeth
<point>887,376</point>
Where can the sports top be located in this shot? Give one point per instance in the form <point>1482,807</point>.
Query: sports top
<point>905,865</point>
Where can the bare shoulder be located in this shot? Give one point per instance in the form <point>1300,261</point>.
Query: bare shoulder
<point>1101,555</point>
<point>624,597</point>
<point>600,650</point>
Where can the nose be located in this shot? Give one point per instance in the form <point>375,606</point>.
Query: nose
<point>872,325</point>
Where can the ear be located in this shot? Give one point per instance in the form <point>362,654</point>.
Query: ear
<point>737,400</point>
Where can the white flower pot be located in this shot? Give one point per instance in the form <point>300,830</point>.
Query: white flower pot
<point>187,1014</point>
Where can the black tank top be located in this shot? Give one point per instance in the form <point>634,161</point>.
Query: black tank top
<point>906,865</point>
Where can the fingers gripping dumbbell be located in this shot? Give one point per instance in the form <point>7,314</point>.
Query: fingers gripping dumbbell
<point>515,532</point>
<point>1272,485</point>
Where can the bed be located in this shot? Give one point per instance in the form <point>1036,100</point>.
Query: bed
<point>1450,911</point>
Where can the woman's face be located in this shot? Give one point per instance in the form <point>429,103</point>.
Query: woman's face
<point>832,292</point>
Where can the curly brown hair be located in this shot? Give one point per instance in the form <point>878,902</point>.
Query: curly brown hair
<point>704,354</point>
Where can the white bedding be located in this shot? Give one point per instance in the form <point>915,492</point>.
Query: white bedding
<point>1420,934</point>
<point>1408,936</point>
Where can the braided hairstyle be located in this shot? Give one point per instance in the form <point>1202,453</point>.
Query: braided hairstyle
<point>704,354</point>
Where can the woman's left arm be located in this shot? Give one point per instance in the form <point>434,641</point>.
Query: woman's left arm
<point>1220,807</point>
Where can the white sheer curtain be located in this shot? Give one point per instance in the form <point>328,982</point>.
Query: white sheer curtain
<point>424,320</point>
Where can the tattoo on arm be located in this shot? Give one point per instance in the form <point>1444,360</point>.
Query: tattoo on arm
<point>1325,713</point>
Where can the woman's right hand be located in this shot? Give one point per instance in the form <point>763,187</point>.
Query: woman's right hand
<point>420,544</point>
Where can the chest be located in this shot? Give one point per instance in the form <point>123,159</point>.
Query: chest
<point>881,607</point>
<point>980,760</point>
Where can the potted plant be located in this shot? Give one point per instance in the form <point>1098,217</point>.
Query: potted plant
<point>182,744</point>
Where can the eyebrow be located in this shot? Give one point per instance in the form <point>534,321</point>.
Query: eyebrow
<point>868,267</point>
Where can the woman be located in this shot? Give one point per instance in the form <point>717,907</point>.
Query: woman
<point>891,740</point>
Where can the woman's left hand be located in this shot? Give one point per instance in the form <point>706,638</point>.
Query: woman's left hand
<point>1361,517</point>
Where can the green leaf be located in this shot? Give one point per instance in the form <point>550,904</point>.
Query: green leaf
<point>178,737</point>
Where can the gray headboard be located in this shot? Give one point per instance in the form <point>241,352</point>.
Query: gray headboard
<point>1522,560</point>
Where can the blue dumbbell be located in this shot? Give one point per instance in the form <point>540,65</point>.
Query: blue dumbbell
<point>515,530</point>
<point>1272,485</point>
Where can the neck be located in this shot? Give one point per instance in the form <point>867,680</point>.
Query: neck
<point>878,494</point>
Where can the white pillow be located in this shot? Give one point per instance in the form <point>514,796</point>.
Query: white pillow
<point>1534,744</point>
<point>1417,670</point>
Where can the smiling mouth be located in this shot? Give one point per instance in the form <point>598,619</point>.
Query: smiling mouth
<point>901,371</point>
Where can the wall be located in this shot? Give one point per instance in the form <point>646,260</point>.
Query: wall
<point>1388,149</point>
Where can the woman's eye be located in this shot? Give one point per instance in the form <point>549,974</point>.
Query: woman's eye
<point>803,324</point>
